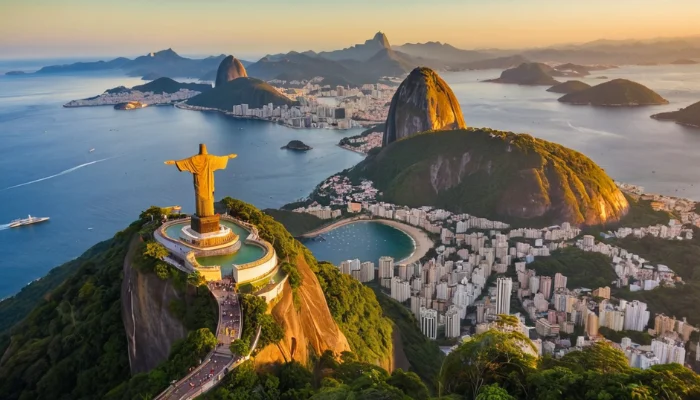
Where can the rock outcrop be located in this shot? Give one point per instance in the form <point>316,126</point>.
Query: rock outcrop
<point>309,328</point>
<point>297,145</point>
<point>230,68</point>
<point>569,87</point>
<point>528,74</point>
<point>151,330</point>
<point>423,102</point>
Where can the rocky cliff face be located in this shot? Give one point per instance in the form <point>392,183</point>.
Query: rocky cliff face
<point>423,102</point>
<point>499,175</point>
<point>150,328</point>
<point>310,329</point>
<point>229,69</point>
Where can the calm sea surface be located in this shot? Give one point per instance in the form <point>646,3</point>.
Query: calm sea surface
<point>364,240</point>
<point>46,168</point>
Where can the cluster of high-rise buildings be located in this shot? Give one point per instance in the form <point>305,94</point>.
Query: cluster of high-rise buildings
<point>301,116</point>
<point>483,264</point>
<point>326,106</point>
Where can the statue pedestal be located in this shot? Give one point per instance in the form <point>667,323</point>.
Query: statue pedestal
<point>205,224</point>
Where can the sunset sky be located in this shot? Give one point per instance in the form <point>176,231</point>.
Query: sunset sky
<point>90,28</point>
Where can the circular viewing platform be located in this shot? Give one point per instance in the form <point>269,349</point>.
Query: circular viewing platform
<point>247,258</point>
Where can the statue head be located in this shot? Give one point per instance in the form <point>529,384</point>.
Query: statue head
<point>203,148</point>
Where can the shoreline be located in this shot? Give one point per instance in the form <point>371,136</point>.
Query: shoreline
<point>185,106</point>
<point>354,151</point>
<point>421,241</point>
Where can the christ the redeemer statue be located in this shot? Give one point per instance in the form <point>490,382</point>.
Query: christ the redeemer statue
<point>202,167</point>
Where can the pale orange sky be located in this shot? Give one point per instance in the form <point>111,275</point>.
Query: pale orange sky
<point>72,28</point>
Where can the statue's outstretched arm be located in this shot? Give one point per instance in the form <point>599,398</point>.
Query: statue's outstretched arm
<point>170,162</point>
<point>232,155</point>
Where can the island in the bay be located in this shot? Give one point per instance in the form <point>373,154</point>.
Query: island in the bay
<point>688,116</point>
<point>297,145</point>
<point>10,73</point>
<point>569,87</point>
<point>528,74</point>
<point>615,93</point>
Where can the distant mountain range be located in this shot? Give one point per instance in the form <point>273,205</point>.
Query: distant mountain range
<point>369,61</point>
<point>161,63</point>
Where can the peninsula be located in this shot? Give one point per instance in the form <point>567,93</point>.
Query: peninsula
<point>569,87</point>
<point>688,116</point>
<point>158,92</point>
<point>528,74</point>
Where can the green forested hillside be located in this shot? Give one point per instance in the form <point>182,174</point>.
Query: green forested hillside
<point>617,92</point>
<point>167,85</point>
<point>583,269</point>
<point>73,344</point>
<point>251,91</point>
<point>505,176</point>
<point>689,116</point>
<point>13,309</point>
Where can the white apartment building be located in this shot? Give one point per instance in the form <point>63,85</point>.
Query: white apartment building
<point>504,288</point>
<point>428,322</point>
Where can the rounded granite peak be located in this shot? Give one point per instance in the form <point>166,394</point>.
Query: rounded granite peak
<point>230,68</point>
<point>423,102</point>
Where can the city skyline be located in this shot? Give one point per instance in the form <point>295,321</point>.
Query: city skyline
<point>77,28</point>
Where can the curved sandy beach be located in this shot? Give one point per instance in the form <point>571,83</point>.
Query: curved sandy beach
<point>421,241</point>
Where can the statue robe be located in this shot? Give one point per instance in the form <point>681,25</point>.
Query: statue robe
<point>202,167</point>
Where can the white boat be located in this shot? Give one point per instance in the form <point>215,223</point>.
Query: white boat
<point>27,221</point>
<point>92,149</point>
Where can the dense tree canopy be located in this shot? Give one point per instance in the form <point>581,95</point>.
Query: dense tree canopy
<point>355,309</point>
<point>495,365</point>
<point>335,379</point>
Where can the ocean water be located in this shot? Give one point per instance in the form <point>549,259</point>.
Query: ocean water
<point>364,240</point>
<point>46,168</point>
<point>661,156</point>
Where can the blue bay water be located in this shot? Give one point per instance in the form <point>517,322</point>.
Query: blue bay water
<point>106,189</point>
<point>92,195</point>
<point>364,240</point>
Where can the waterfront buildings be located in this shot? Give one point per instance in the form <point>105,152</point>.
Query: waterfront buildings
<point>366,272</point>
